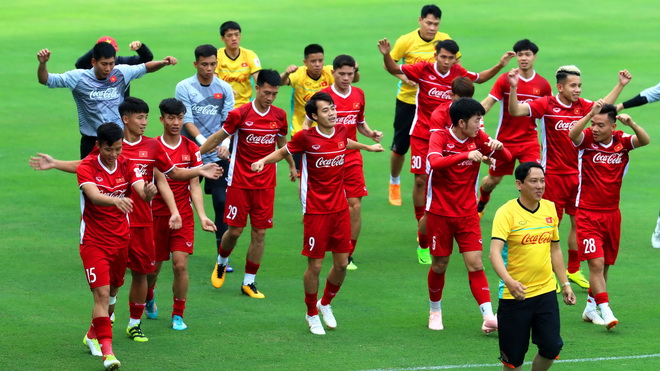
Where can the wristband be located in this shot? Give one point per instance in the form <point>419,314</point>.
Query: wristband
<point>565,284</point>
<point>200,139</point>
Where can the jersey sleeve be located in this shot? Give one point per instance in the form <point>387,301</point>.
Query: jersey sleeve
<point>133,173</point>
<point>253,62</point>
<point>501,224</point>
<point>463,72</point>
<point>132,72</point>
<point>297,143</point>
<point>500,86</point>
<point>193,148</point>
<point>413,71</point>
<point>163,161</point>
<point>181,93</point>
<point>67,79</point>
<point>360,119</point>
<point>231,123</point>
<point>587,138</point>
<point>626,140</point>
<point>537,107</point>
<point>229,99</point>
<point>294,78</point>
<point>399,50</point>
<point>555,218</point>
<point>85,174</point>
<point>284,125</point>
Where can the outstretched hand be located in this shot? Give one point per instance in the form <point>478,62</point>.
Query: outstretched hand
<point>42,161</point>
<point>384,46</point>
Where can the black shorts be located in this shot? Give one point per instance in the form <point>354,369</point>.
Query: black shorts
<point>87,144</point>
<point>403,118</point>
<point>211,184</point>
<point>515,319</point>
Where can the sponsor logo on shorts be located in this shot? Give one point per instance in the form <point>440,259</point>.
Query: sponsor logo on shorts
<point>189,244</point>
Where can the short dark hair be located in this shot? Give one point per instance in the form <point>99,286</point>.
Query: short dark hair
<point>464,109</point>
<point>448,45</point>
<point>523,170</point>
<point>312,49</point>
<point>311,105</point>
<point>564,71</point>
<point>206,50</point>
<point>109,133</point>
<point>525,44</point>
<point>431,9</point>
<point>463,87</point>
<point>229,25</point>
<point>133,105</point>
<point>103,50</point>
<point>343,60</point>
<point>171,106</point>
<point>610,111</point>
<point>270,77</point>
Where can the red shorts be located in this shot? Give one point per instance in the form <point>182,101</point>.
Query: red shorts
<point>442,230</point>
<point>168,240</point>
<point>104,266</point>
<point>598,234</point>
<point>523,152</point>
<point>326,232</point>
<point>562,190</point>
<point>141,250</point>
<point>258,203</point>
<point>354,184</point>
<point>419,149</point>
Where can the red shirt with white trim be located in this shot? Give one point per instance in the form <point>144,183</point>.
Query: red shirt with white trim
<point>350,113</point>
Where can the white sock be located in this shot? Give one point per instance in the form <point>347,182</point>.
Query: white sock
<point>591,303</point>
<point>436,306</point>
<point>486,309</point>
<point>132,322</point>
<point>395,180</point>
<point>657,226</point>
<point>248,278</point>
<point>604,307</point>
<point>222,261</point>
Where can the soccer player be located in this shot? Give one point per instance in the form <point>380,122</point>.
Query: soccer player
<point>326,216</point>
<point>415,46</point>
<point>518,134</point>
<point>236,65</point>
<point>525,233</point>
<point>461,87</point>
<point>434,80</point>
<point>208,100</point>
<point>603,162</point>
<point>97,91</point>
<point>179,243</point>
<point>560,160</point>
<point>350,104</point>
<point>105,180</point>
<point>256,128</point>
<point>453,162</point>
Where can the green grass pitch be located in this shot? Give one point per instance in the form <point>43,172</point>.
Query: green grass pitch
<point>382,308</point>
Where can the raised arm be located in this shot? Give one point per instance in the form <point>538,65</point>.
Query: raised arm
<point>488,74</point>
<point>154,66</point>
<point>515,108</point>
<point>285,75</point>
<point>42,72</point>
<point>576,134</point>
<point>390,65</point>
<point>43,161</point>
<point>624,79</point>
<point>488,103</point>
<point>641,138</point>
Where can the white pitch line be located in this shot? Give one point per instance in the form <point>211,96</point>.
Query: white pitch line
<point>577,360</point>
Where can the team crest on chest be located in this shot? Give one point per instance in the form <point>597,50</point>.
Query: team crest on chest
<point>113,78</point>
<point>273,124</point>
<point>356,105</point>
<point>472,146</point>
<point>185,158</point>
<point>316,147</point>
<point>576,111</point>
<point>340,145</point>
<point>536,92</point>
<point>244,64</point>
<point>217,95</point>
<point>556,110</point>
<point>249,123</point>
<point>143,154</point>
<point>618,147</point>
<point>324,83</point>
<point>548,220</point>
<point>120,180</point>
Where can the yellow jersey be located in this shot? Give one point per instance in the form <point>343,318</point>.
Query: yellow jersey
<point>303,89</point>
<point>527,236</point>
<point>237,73</point>
<point>410,49</point>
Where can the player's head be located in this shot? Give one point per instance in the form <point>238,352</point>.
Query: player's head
<point>134,113</point>
<point>445,54</point>
<point>429,21</point>
<point>313,59</point>
<point>569,83</point>
<point>206,60</point>
<point>530,180</point>
<point>321,108</point>
<point>103,59</point>
<point>343,70</point>
<point>462,87</point>
<point>604,123</point>
<point>525,53</point>
<point>172,112</point>
<point>268,84</point>
<point>466,115</point>
<point>109,140</point>
<point>230,34</point>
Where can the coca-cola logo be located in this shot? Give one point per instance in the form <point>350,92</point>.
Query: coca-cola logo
<point>440,94</point>
<point>610,159</point>
<point>116,194</point>
<point>347,120</point>
<point>260,139</point>
<point>561,125</point>
<point>330,162</point>
<point>140,169</point>
<point>106,94</point>
<point>466,163</point>
<point>208,109</point>
<point>530,239</point>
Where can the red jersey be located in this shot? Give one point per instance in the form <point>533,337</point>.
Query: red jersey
<point>106,225</point>
<point>184,155</point>
<point>350,113</point>
<point>559,154</point>
<point>602,168</point>
<point>434,88</point>
<point>512,129</point>
<point>254,137</point>
<point>440,118</point>
<point>322,169</point>
<point>453,179</point>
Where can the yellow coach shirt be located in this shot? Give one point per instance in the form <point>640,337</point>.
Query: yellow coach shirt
<point>303,89</point>
<point>526,253</point>
<point>237,73</point>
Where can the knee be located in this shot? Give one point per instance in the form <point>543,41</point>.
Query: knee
<point>551,350</point>
<point>420,181</point>
<point>179,268</point>
<point>439,266</point>
<point>258,234</point>
<point>234,233</point>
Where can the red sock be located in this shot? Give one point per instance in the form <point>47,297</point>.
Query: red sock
<point>353,245</point>
<point>601,298</point>
<point>590,293</point>
<point>250,267</point>
<point>91,334</point>
<point>329,292</point>
<point>178,307</point>
<point>224,253</point>
<point>436,284</point>
<point>423,241</point>
<point>484,196</point>
<point>310,302</point>
<point>573,261</point>
<point>150,293</point>
<point>419,212</point>
<point>479,286</point>
<point>136,309</point>
<point>103,328</point>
